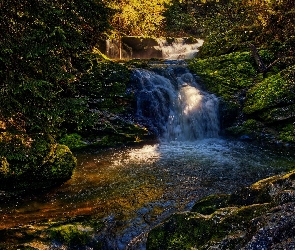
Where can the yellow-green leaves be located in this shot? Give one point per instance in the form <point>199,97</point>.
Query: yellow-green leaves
<point>138,17</point>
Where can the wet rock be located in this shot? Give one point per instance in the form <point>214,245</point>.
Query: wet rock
<point>261,216</point>
<point>245,138</point>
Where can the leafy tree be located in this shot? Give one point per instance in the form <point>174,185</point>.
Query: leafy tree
<point>138,17</point>
<point>39,40</point>
<point>40,44</point>
<point>180,19</point>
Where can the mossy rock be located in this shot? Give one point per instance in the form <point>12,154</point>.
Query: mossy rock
<point>77,233</point>
<point>80,232</point>
<point>59,164</point>
<point>211,203</point>
<point>278,114</point>
<point>181,231</point>
<point>274,91</point>
<point>192,230</point>
<point>35,164</point>
<point>72,235</point>
<point>231,221</point>
<point>249,127</point>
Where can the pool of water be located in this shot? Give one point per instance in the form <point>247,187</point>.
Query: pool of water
<point>134,189</point>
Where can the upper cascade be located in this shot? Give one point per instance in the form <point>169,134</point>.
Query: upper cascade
<point>179,48</point>
<point>146,48</point>
<point>172,104</point>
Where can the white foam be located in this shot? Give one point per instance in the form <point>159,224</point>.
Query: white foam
<point>178,49</point>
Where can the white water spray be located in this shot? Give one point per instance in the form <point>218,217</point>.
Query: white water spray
<point>178,49</point>
<point>173,106</point>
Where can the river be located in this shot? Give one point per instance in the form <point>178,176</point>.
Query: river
<point>132,189</point>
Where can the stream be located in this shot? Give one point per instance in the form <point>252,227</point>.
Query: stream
<point>132,189</point>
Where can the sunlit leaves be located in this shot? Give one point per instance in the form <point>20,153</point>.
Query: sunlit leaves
<point>138,17</point>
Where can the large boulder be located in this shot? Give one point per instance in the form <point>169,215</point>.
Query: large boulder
<point>33,163</point>
<point>257,217</point>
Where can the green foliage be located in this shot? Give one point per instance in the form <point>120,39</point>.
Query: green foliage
<point>179,21</point>
<point>53,82</point>
<point>104,83</point>
<point>39,40</point>
<point>277,89</point>
<point>73,141</point>
<point>225,75</point>
<point>287,133</point>
<point>137,17</point>
<point>4,166</point>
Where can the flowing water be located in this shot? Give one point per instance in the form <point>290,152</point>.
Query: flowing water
<point>133,189</point>
<point>172,104</point>
<point>178,49</point>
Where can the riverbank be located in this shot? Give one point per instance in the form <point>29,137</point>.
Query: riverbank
<point>260,216</point>
<point>254,106</point>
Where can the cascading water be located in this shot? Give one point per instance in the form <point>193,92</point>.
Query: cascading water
<point>128,191</point>
<point>179,48</point>
<point>173,106</point>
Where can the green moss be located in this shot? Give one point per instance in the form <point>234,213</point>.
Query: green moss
<point>230,226</point>
<point>37,162</point>
<point>192,230</point>
<point>73,141</point>
<point>72,234</point>
<point>277,89</point>
<point>249,127</point>
<point>59,165</point>
<point>266,94</point>
<point>287,133</point>
<point>225,75</point>
<point>77,233</point>
<point>181,231</point>
<point>210,204</point>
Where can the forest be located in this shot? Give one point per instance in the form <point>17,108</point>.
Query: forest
<point>60,94</point>
<point>57,87</point>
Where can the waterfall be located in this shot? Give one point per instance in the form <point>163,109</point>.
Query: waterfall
<point>171,103</point>
<point>179,48</point>
<point>140,47</point>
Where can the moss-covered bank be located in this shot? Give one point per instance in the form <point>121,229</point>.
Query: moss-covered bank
<point>254,105</point>
<point>257,217</point>
<point>32,163</point>
<point>71,233</point>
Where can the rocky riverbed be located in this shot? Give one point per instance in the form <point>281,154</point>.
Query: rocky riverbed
<point>260,216</point>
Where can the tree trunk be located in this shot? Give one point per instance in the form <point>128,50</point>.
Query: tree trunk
<point>261,66</point>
